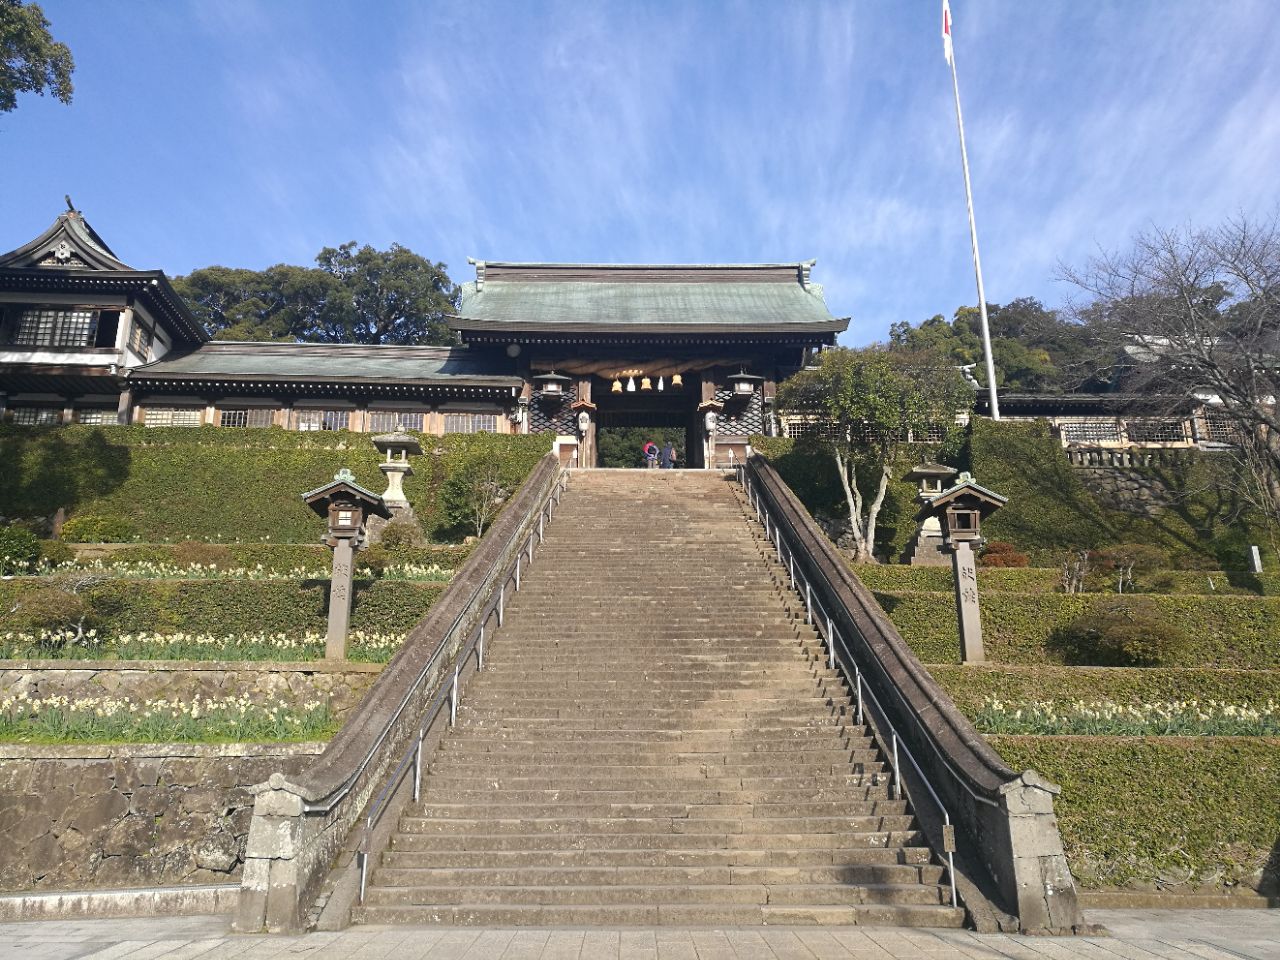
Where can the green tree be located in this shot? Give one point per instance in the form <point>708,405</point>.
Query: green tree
<point>353,295</point>
<point>870,403</point>
<point>31,61</point>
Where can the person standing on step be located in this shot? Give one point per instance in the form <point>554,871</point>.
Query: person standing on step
<point>651,454</point>
<point>669,456</point>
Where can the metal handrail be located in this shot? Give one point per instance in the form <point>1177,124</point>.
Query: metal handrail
<point>511,571</point>
<point>816,616</point>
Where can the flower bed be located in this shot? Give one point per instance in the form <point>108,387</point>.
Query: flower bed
<point>1106,718</point>
<point>363,647</point>
<point>160,570</point>
<point>58,719</point>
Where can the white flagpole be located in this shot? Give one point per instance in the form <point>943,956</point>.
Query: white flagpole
<point>973,234</point>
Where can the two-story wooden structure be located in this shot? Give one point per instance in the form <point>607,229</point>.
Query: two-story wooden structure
<point>566,349</point>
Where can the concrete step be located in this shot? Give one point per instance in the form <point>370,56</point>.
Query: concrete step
<point>717,826</point>
<point>400,858</point>
<point>532,842</point>
<point>545,876</point>
<point>642,915</point>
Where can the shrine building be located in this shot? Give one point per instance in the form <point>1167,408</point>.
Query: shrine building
<point>565,349</point>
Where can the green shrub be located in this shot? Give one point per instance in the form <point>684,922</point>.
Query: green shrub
<point>401,534</point>
<point>19,550</point>
<point>1002,553</point>
<point>98,528</point>
<point>1121,633</point>
<point>1160,811</point>
<point>50,609</point>
<point>191,552</point>
<point>375,558</point>
<point>54,552</point>
<point>895,577</point>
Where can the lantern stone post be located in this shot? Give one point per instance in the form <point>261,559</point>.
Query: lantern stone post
<point>346,505</point>
<point>960,510</point>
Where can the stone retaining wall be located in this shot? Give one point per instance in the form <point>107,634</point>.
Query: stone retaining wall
<point>77,817</point>
<point>341,685</point>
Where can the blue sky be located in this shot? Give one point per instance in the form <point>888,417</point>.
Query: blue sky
<point>246,134</point>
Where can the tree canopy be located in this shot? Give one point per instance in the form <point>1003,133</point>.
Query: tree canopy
<point>352,295</point>
<point>1035,349</point>
<point>868,404</point>
<point>31,61</point>
<point>1192,315</point>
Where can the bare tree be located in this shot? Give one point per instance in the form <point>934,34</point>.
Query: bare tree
<point>1192,316</point>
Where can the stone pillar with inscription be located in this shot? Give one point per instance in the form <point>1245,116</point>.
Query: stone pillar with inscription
<point>335,640</point>
<point>965,572</point>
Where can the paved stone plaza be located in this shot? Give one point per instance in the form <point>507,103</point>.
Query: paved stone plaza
<point>1137,935</point>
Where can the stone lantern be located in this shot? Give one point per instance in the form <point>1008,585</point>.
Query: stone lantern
<point>960,510</point>
<point>552,386</point>
<point>346,506</point>
<point>397,448</point>
<point>927,549</point>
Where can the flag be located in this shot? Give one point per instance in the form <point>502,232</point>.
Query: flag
<point>946,30</point>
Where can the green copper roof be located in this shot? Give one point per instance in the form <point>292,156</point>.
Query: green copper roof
<point>326,362</point>
<point>754,298</point>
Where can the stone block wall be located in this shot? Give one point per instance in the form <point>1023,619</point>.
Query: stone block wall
<point>1126,490</point>
<point>340,684</point>
<point>82,817</point>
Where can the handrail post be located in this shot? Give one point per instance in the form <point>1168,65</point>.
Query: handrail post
<point>502,602</point>
<point>417,768</point>
<point>859,685</point>
<point>363,856</point>
<point>519,557</point>
<point>897,777</point>
<point>831,644</point>
<point>453,698</point>
<point>808,602</point>
<point>541,517</point>
<point>480,650</point>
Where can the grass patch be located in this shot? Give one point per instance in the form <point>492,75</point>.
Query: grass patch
<point>1017,628</point>
<point>1185,813</point>
<point>166,484</point>
<point>972,684</point>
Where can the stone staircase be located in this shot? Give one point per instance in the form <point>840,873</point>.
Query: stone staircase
<point>656,739</point>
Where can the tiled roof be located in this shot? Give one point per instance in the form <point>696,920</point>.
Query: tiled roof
<point>327,362</point>
<point>747,298</point>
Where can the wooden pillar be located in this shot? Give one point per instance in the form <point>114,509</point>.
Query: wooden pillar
<point>124,407</point>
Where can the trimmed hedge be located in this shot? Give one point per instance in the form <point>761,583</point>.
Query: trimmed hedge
<point>284,557</point>
<point>219,484</point>
<point>1225,631</point>
<point>1141,812</point>
<point>223,607</point>
<point>895,577</point>
<point>1050,511</point>
<point>971,684</point>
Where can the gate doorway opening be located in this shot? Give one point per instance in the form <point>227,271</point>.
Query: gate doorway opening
<point>627,420</point>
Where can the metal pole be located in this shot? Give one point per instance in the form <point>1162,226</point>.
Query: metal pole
<point>453,698</point>
<point>977,260</point>
<point>502,601</point>
<point>364,872</point>
<point>480,650</point>
<point>519,556</point>
<point>859,685</point>
<point>831,644</point>
<point>808,602</point>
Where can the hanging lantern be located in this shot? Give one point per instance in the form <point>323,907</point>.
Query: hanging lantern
<point>631,384</point>
<point>677,381</point>
<point>646,383</point>
<point>659,384</point>
<point>617,386</point>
